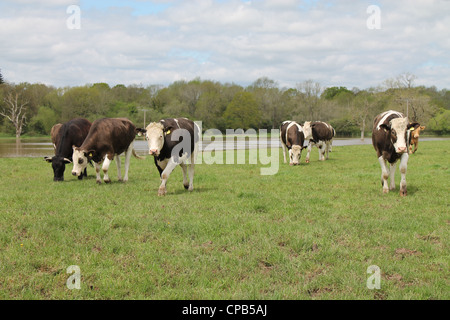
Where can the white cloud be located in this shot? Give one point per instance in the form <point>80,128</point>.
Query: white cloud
<point>230,41</point>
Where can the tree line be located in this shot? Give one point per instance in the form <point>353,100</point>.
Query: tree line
<point>33,109</point>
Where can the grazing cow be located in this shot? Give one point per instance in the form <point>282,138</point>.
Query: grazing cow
<point>390,137</point>
<point>64,137</point>
<point>107,138</point>
<point>319,134</point>
<point>414,139</point>
<point>54,133</point>
<point>292,138</point>
<point>171,142</point>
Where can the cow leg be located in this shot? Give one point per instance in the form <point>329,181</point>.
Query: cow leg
<point>392,176</point>
<point>171,164</point>
<point>127,161</point>
<point>105,168</point>
<point>290,158</point>
<point>384,174</point>
<point>415,146</point>
<point>119,172</point>
<point>309,151</point>
<point>403,167</point>
<point>97,171</point>
<point>322,147</point>
<point>191,171</point>
<point>185,180</point>
<point>283,146</point>
<point>327,148</point>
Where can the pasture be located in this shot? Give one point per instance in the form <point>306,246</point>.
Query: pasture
<point>308,232</point>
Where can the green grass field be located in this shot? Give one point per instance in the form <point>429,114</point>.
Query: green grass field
<point>308,232</point>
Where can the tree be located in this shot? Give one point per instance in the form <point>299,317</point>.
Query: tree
<point>1,77</point>
<point>242,112</point>
<point>15,108</point>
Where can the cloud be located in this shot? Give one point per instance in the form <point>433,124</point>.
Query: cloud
<point>157,42</point>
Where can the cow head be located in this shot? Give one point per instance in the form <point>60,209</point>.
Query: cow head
<point>155,137</point>
<point>397,129</point>
<point>295,154</point>
<point>307,130</point>
<point>59,166</point>
<point>80,158</point>
<point>416,132</point>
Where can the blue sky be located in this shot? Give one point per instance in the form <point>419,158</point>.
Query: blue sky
<point>161,41</point>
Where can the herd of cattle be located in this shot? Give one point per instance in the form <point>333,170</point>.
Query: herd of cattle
<point>170,142</point>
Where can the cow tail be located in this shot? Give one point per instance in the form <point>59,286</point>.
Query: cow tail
<point>135,155</point>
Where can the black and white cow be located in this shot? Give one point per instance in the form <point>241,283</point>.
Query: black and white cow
<point>107,138</point>
<point>173,141</point>
<point>292,138</point>
<point>390,138</point>
<point>64,136</point>
<point>319,134</point>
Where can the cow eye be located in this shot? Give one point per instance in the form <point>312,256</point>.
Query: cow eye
<point>80,161</point>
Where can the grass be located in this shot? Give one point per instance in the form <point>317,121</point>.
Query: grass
<point>308,232</point>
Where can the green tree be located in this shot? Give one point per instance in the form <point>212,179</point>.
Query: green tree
<point>242,112</point>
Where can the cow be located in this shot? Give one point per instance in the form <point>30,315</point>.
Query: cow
<point>414,139</point>
<point>107,138</point>
<point>390,138</point>
<point>54,133</point>
<point>64,137</point>
<point>292,138</point>
<point>319,134</point>
<point>171,142</point>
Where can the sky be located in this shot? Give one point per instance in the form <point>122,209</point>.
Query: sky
<point>357,43</point>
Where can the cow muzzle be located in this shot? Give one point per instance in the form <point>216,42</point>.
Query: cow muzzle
<point>153,152</point>
<point>401,149</point>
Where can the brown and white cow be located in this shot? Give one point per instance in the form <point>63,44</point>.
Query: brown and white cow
<point>319,134</point>
<point>292,138</point>
<point>64,136</point>
<point>172,142</point>
<point>390,138</point>
<point>54,133</point>
<point>414,139</point>
<point>107,138</point>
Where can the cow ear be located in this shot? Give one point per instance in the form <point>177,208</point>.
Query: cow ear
<point>385,127</point>
<point>422,128</point>
<point>140,131</point>
<point>89,154</point>
<point>48,159</point>
<point>414,125</point>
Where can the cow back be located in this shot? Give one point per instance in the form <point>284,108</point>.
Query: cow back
<point>71,133</point>
<point>321,131</point>
<point>171,125</point>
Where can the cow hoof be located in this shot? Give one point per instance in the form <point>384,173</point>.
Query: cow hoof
<point>80,177</point>
<point>385,190</point>
<point>307,161</point>
<point>190,189</point>
<point>107,181</point>
<point>186,186</point>
<point>99,181</point>
<point>291,164</point>
<point>403,193</point>
<point>162,192</point>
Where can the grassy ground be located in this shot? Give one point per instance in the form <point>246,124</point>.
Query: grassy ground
<point>308,232</point>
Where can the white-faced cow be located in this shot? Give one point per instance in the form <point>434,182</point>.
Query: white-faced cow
<point>292,138</point>
<point>319,134</point>
<point>172,142</point>
<point>64,137</point>
<point>414,139</point>
<point>107,138</point>
<point>390,138</point>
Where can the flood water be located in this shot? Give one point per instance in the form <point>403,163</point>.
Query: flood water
<point>41,147</point>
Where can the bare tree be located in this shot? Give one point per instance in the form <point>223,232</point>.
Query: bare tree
<point>311,91</point>
<point>14,110</point>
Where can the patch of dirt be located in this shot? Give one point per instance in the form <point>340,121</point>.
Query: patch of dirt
<point>402,253</point>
